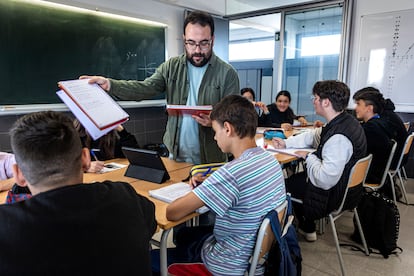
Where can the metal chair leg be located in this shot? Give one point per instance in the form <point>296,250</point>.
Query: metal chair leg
<point>404,173</point>
<point>338,248</point>
<point>402,186</point>
<point>361,232</point>
<point>392,187</point>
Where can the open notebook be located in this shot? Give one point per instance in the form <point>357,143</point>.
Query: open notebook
<point>172,192</point>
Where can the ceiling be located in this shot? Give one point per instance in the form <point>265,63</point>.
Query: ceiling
<point>251,27</point>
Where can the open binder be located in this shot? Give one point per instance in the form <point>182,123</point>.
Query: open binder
<point>146,165</point>
<point>93,107</point>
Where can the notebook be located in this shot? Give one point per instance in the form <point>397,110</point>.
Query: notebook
<point>172,192</point>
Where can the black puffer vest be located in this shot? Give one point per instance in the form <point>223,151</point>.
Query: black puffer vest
<point>318,202</point>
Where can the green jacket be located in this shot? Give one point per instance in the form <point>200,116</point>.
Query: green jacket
<point>220,80</point>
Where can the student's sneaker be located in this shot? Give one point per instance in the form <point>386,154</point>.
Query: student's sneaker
<point>309,237</point>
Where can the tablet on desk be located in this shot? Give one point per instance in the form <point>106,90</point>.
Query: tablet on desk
<point>146,165</point>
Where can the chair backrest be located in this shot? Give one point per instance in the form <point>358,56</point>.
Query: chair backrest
<point>386,169</point>
<point>357,176</point>
<point>406,149</point>
<point>265,238</point>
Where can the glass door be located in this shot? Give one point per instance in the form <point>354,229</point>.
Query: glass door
<point>312,45</point>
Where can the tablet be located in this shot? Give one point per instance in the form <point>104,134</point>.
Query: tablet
<point>145,164</point>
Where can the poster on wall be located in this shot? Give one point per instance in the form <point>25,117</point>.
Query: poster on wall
<point>386,56</point>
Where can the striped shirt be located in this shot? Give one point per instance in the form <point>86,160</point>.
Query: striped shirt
<point>241,193</point>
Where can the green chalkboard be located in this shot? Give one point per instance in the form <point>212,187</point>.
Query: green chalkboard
<point>41,45</point>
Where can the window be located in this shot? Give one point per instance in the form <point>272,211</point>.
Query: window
<point>320,45</point>
<point>254,50</point>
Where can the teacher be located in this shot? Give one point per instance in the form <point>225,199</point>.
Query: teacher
<point>197,77</point>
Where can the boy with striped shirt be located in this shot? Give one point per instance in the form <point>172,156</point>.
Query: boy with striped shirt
<point>240,193</point>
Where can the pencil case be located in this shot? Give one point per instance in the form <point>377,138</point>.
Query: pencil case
<point>269,134</point>
<point>205,169</point>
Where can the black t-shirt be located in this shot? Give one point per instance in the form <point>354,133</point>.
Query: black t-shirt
<point>84,229</point>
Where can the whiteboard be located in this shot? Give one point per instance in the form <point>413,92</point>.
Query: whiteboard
<point>386,56</point>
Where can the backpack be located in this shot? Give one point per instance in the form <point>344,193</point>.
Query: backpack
<point>284,257</point>
<point>380,221</point>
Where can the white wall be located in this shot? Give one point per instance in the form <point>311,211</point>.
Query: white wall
<point>366,7</point>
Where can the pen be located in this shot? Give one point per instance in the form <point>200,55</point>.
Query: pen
<point>207,171</point>
<point>196,183</point>
<point>94,155</point>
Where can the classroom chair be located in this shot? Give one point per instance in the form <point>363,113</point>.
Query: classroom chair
<point>357,176</point>
<point>264,240</point>
<point>392,173</point>
<point>407,125</point>
<point>377,186</point>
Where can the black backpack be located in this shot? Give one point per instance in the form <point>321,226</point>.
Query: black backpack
<point>380,220</point>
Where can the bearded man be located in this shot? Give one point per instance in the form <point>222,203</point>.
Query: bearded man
<point>197,77</point>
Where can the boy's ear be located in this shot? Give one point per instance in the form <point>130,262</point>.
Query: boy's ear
<point>86,159</point>
<point>229,128</point>
<point>18,176</point>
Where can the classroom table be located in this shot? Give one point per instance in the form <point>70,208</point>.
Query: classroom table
<point>178,171</point>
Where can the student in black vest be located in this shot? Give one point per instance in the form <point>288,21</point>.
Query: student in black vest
<point>67,227</point>
<point>339,144</point>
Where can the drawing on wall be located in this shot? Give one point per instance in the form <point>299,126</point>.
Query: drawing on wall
<point>386,56</point>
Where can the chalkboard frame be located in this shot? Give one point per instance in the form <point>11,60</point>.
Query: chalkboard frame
<point>43,45</point>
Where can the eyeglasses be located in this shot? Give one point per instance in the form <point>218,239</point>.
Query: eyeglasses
<point>313,98</point>
<point>203,44</point>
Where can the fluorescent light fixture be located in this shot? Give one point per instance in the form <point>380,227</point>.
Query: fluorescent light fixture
<point>91,12</point>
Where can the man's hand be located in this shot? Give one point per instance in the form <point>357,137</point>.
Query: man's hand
<point>202,119</point>
<point>278,143</point>
<point>96,166</point>
<point>101,81</point>
<point>286,126</point>
<point>302,153</point>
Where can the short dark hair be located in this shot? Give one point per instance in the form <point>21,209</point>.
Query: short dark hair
<point>336,91</point>
<point>239,112</point>
<point>201,18</point>
<point>248,90</point>
<point>283,93</point>
<point>371,98</point>
<point>46,146</point>
<point>366,89</point>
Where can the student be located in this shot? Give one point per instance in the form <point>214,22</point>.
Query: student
<point>280,114</point>
<point>338,146</point>
<point>394,124</point>
<point>107,147</point>
<point>240,193</point>
<point>69,228</point>
<point>248,93</point>
<point>197,77</point>
<point>368,106</point>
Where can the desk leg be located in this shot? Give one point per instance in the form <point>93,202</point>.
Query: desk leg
<point>163,252</point>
